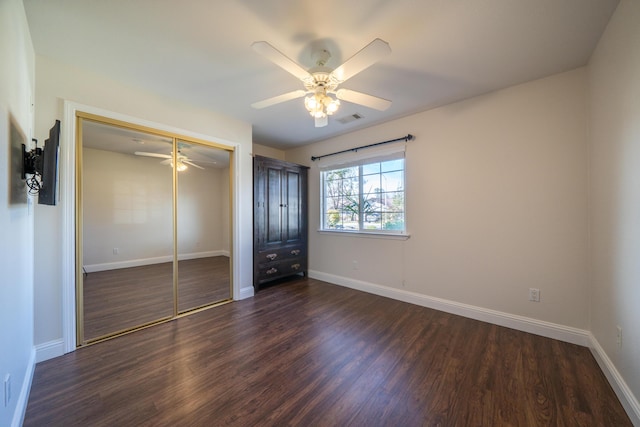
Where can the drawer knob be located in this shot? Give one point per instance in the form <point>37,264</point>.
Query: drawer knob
<point>271,256</point>
<point>272,271</point>
<point>295,266</point>
<point>295,252</point>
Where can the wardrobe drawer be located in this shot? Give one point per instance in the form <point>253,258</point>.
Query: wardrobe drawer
<point>278,254</point>
<point>286,267</point>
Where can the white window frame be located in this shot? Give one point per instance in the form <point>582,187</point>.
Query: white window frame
<point>359,160</point>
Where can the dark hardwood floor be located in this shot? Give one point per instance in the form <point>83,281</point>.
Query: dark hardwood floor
<point>116,300</point>
<point>308,353</point>
<point>203,281</point>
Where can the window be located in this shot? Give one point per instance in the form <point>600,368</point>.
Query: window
<point>365,196</point>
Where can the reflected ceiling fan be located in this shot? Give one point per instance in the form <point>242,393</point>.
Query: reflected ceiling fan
<point>182,160</point>
<point>321,82</point>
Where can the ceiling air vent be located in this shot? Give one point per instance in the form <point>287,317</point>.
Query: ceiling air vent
<point>351,118</point>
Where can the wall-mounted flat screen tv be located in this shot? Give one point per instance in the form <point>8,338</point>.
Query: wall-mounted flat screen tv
<point>48,193</point>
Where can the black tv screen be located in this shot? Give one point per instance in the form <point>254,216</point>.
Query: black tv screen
<point>47,194</point>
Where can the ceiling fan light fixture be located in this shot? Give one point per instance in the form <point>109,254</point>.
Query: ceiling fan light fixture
<point>311,104</point>
<point>320,82</point>
<point>332,105</point>
<point>320,104</point>
<point>181,166</point>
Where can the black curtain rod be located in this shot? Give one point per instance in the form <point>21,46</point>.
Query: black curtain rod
<point>409,137</point>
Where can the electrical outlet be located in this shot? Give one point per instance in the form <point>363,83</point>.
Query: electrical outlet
<point>355,265</point>
<point>7,389</point>
<point>116,251</point>
<point>619,336</point>
<point>534,294</point>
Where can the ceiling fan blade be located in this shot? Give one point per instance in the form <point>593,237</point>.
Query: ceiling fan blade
<point>192,164</point>
<point>280,59</point>
<point>278,99</point>
<point>166,162</point>
<point>162,156</point>
<point>370,101</point>
<point>367,56</point>
<point>322,121</point>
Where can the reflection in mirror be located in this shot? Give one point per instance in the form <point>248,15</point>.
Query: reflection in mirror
<point>202,225</point>
<point>127,231</point>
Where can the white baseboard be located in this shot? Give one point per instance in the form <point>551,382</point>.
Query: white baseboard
<point>246,292</point>
<point>49,350</point>
<point>207,254</point>
<point>620,387</point>
<point>92,268</point>
<point>23,398</point>
<point>521,323</point>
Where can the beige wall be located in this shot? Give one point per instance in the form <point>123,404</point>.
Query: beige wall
<point>58,82</point>
<point>127,204</point>
<point>202,203</point>
<point>17,86</point>
<point>496,204</point>
<point>263,150</point>
<point>614,88</point>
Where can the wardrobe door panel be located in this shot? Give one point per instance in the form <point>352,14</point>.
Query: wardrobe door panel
<point>293,227</point>
<point>273,205</point>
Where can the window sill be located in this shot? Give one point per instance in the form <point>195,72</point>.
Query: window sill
<point>366,234</point>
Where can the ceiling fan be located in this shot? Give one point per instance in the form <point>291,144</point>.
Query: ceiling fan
<point>182,160</point>
<point>320,82</point>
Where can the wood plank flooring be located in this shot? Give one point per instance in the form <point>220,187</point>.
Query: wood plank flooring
<point>203,281</point>
<point>116,300</point>
<point>308,353</point>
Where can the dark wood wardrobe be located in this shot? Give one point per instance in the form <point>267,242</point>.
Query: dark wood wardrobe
<point>280,220</point>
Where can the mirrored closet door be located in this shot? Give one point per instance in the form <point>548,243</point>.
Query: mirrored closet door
<point>203,224</point>
<point>153,227</point>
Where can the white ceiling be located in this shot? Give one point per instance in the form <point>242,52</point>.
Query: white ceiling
<point>198,51</point>
<point>107,137</point>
